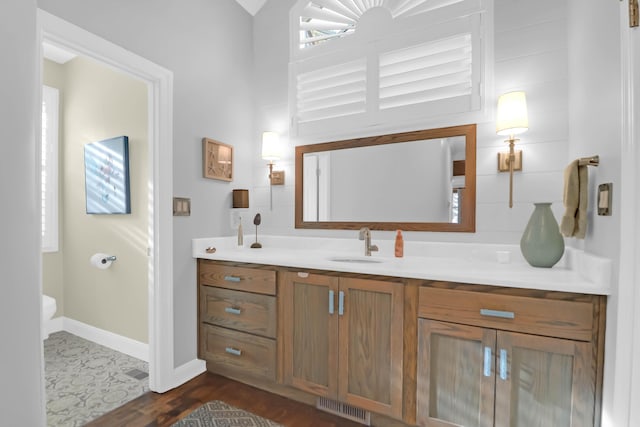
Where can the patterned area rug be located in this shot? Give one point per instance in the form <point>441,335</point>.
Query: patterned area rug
<point>85,380</point>
<point>220,414</point>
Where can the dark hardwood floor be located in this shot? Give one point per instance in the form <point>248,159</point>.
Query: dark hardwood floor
<point>159,410</point>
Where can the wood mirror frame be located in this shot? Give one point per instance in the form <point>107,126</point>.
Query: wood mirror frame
<point>467,218</point>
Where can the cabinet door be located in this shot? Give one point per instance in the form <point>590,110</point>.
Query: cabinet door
<point>456,375</point>
<point>371,340</point>
<point>310,332</point>
<point>543,382</point>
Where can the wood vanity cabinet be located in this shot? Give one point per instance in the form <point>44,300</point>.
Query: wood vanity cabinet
<point>486,359</point>
<point>343,339</point>
<point>237,320</point>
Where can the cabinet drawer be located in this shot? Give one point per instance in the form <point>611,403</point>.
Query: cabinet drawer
<point>253,313</point>
<point>239,278</point>
<point>238,352</point>
<point>563,319</point>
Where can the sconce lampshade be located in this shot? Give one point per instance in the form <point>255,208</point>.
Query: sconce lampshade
<point>271,147</point>
<point>512,117</point>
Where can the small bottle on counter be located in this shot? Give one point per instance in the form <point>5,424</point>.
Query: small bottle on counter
<point>399,248</point>
<point>240,234</point>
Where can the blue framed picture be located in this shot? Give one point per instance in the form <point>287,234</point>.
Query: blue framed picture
<point>106,176</point>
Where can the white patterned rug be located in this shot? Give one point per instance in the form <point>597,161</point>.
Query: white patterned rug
<point>219,414</point>
<point>85,380</point>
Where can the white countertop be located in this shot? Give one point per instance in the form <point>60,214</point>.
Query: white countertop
<point>577,271</point>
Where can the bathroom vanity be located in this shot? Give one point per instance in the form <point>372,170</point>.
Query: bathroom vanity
<point>411,341</point>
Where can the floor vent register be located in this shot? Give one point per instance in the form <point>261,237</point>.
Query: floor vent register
<point>344,410</point>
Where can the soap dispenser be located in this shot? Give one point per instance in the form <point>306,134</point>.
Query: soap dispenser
<point>399,248</point>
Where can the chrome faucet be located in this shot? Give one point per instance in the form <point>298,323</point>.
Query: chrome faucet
<point>365,234</point>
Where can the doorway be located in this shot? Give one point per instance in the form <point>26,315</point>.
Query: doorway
<point>159,81</point>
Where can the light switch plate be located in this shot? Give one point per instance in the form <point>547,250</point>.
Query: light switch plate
<point>181,206</point>
<point>604,199</point>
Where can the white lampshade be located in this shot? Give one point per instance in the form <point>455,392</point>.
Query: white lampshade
<point>271,147</point>
<point>512,117</point>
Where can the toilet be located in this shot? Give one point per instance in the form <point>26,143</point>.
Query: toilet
<point>48,310</point>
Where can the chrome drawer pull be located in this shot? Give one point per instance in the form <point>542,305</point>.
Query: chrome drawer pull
<point>487,361</point>
<point>330,302</point>
<point>341,303</point>
<point>503,364</point>
<point>233,351</point>
<point>232,310</point>
<point>497,313</point>
<point>231,278</point>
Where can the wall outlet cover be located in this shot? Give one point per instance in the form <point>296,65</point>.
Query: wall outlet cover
<point>604,199</point>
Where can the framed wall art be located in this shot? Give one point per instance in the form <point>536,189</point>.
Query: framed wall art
<point>106,176</point>
<point>217,160</point>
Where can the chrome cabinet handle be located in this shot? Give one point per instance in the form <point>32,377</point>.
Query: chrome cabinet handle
<point>233,351</point>
<point>340,303</point>
<point>232,310</point>
<point>487,361</point>
<point>503,364</point>
<point>497,313</point>
<point>231,278</point>
<point>331,302</point>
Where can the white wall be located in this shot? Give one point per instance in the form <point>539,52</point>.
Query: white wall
<point>595,128</point>
<point>207,46</point>
<point>22,401</point>
<point>530,54</point>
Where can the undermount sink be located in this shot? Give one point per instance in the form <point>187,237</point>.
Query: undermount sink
<point>354,259</point>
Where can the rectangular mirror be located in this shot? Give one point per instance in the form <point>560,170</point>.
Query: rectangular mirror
<point>415,181</point>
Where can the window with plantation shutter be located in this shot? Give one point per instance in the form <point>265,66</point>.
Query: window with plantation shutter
<point>49,169</point>
<point>366,64</point>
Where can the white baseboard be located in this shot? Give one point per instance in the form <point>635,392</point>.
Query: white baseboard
<point>188,371</point>
<point>55,325</point>
<point>116,342</point>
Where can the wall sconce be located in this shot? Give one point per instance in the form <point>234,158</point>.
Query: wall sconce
<point>272,150</point>
<point>511,120</point>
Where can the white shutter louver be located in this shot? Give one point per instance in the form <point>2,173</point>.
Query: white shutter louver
<point>428,72</point>
<point>334,91</point>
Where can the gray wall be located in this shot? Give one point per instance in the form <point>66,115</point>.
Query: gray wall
<point>22,401</point>
<point>208,46</point>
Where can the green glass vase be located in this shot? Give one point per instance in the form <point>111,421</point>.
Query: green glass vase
<point>542,244</point>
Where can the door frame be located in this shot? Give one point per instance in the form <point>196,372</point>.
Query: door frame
<point>622,367</point>
<point>58,32</point>
<point>630,210</point>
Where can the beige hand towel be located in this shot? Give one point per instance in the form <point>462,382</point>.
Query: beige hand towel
<point>574,221</point>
